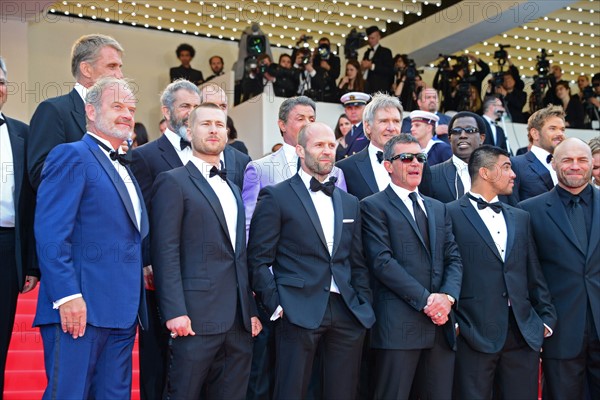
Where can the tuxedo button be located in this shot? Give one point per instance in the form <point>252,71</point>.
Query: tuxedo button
<point>504,294</point>
<point>326,288</point>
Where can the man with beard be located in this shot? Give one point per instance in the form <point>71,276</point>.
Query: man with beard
<point>216,66</point>
<point>199,254</point>
<point>535,175</point>
<point>318,292</point>
<point>428,100</point>
<point>90,221</point>
<point>450,180</point>
<point>170,151</point>
<point>505,309</point>
<point>568,244</point>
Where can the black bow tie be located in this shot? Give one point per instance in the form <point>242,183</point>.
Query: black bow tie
<point>215,171</point>
<point>184,143</point>
<point>549,158</point>
<point>123,159</point>
<point>482,204</point>
<point>326,187</point>
<point>379,155</point>
<point>2,122</point>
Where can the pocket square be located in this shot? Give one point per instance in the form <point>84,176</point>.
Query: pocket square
<point>348,221</point>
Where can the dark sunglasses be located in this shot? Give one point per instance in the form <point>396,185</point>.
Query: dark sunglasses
<point>458,131</point>
<point>408,157</point>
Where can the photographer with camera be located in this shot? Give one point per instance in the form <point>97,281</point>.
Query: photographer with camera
<point>259,75</point>
<point>555,76</point>
<point>308,82</point>
<point>327,66</point>
<point>407,81</point>
<point>591,102</point>
<point>476,77</point>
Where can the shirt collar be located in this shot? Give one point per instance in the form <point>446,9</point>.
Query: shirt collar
<point>566,196</point>
<point>459,164</point>
<point>540,154</point>
<point>373,151</point>
<point>82,90</point>
<point>106,142</point>
<point>478,196</point>
<point>289,152</point>
<point>202,166</point>
<point>403,193</point>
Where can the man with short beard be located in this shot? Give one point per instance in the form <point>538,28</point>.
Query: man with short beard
<point>90,221</point>
<point>308,233</point>
<point>568,244</point>
<point>170,151</point>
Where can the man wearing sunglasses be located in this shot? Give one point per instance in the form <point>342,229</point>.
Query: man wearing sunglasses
<point>504,309</point>
<point>364,171</point>
<point>416,274</point>
<point>450,180</point>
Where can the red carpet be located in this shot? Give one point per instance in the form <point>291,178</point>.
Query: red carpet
<point>25,375</point>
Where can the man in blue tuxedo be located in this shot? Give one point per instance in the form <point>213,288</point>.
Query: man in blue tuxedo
<point>201,276</point>
<point>62,119</point>
<point>505,309</point>
<point>364,171</point>
<point>308,233</point>
<point>18,269</point>
<point>416,275</point>
<point>90,221</point>
<point>567,234</point>
<point>535,175</point>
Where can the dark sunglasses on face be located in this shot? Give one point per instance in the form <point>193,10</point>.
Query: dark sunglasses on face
<point>458,131</point>
<point>408,157</point>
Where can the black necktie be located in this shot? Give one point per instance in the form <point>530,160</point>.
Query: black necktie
<point>121,158</point>
<point>326,187</point>
<point>184,143</point>
<point>482,204</point>
<point>379,155</point>
<point>577,218</point>
<point>460,188</point>
<point>420,218</point>
<point>215,171</point>
<point>549,159</point>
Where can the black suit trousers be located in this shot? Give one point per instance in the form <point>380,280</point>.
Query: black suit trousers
<point>340,336</point>
<point>9,291</point>
<point>415,374</point>
<point>509,374</point>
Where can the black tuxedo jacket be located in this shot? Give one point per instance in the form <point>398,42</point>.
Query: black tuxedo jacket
<point>572,274</point>
<point>159,156</point>
<point>24,201</point>
<point>286,233</point>
<point>381,78</point>
<point>191,74</point>
<point>489,283</point>
<point>500,136</point>
<point>57,120</point>
<point>360,179</point>
<point>532,177</point>
<point>441,183</point>
<point>197,272</point>
<point>404,272</point>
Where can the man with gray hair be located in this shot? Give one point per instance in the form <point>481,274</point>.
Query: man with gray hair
<point>62,119</point>
<point>90,222</point>
<point>364,171</point>
<point>17,248</point>
<point>170,151</point>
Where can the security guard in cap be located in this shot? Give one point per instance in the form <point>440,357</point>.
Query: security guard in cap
<point>354,104</point>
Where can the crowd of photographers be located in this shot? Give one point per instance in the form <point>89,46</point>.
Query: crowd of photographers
<point>459,80</point>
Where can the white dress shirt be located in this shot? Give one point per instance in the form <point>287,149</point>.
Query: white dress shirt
<point>133,196</point>
<point>382,177</point>
<point>370,57</point>
<point>492,124</point>
<point>542,156</point>
<point>184,155</point>
<point>224,194</point>
<point>7,182</point>
<point>82,90</point>
<point>291,158</point>
<point>494,222</point>
<point>462,173</point>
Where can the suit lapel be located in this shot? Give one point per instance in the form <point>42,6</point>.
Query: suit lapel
<point>202,184</point>
<point>144,222</point>
<point>540,170</point>
<point>594,240</point>
<point>366,170</point>
<point>396,202</point>
<point>229,158</point>
<point>17,145</point>
<point>78,111</point>
<point>168,152</point>
<point>302,192</point>
<point>240,237</point>
<point>477,222</point>
<point>431,224</point>
<point>509,218</point>
<point>114,176</point>
<point>450,176</point>
<point>338,212</point>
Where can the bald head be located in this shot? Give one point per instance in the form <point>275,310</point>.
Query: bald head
<point>316,149</point>
<point>312,129</point>
<point>572,162</point>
